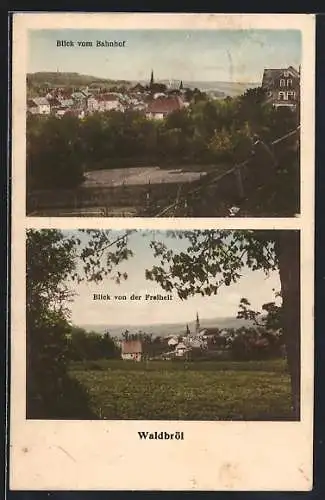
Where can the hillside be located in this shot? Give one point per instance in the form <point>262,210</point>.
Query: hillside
<point>68,79</point>
<point>165,329</point>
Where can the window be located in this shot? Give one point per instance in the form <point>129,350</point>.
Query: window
<point>291,95</point>
<point>289,82</point>
<point>269,94</point>
<point>283,96</point>
<point>286,74</point>
<point>282,82</point>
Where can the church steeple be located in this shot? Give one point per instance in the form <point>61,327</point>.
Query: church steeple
<point>197,324</point>
<point>188,332</point>
<point>152,81</point>
<point>181,85</point>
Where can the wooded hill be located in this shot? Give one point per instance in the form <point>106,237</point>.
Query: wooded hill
<point>66,79</point>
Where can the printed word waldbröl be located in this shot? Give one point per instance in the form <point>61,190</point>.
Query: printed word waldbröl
<point>162,435</point>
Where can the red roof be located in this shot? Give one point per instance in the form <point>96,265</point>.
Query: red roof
<point>131,346</point>
<point>165,105</point>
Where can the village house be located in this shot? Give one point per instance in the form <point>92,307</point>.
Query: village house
<point>39,106</point>
<point>32,107</point>
<point>79,96</point>
<point>132,350</point>
<point>66,103</point>
<point>159,108</point>
<point>92,104</point>
<point>172,342</point>
<point>109,102</point>
<point>282,86</point>
<point>181,349</point>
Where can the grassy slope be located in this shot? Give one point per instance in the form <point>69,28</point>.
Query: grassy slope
<point>198,391</point>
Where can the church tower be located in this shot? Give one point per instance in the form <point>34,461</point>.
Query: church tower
<point>197,324</point>
<point>152,81</point>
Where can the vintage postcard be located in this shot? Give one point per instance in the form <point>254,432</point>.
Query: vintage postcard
<point>179,350</point>
<point>189,122</point>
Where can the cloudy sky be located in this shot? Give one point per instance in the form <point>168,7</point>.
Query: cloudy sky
<point>196,55</point>
<point>254,285</point>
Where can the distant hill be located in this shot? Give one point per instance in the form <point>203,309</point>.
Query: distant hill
<point>68,79</point>
<point>165,329</point>
<point>225,89</point>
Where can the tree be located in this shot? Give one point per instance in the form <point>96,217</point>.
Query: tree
<point>267,326</point>
<point>216,258</point>
<point>49,262</point>
<point>51,258</point>
<point>54,152</point>
<point>272,320</point>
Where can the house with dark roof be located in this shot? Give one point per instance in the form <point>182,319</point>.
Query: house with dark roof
<point>162,106</point>
<point>282,86</point>
<point>39,105</point>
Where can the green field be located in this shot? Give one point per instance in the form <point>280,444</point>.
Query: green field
<point>258,390</point>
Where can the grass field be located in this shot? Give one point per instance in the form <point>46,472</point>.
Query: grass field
<point>178,391</point>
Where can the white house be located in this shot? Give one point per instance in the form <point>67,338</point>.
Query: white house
<point>180,349</point>
<point>39,105</point>
<point>172,341</point>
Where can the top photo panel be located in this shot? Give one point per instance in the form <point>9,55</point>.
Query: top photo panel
<point>163,123</point>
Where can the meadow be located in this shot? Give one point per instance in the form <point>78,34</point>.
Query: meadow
<point>249,390</point>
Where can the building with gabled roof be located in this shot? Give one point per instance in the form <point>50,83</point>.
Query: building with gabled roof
<point>109,102</point>
<point>282,86</point>
<point>38,105</point>
<point>132,350</point>
<point>162,106</point>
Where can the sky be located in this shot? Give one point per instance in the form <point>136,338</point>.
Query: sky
<point>189,55</point>
<point>254,285</point>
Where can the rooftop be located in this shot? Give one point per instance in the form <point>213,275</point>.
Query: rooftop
<point>273,73</point>
<point>165,104</point>
<point>131,346</point>
<point>39,101</point>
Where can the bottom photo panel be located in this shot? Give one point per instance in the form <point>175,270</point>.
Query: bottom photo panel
<point>200,325</point>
